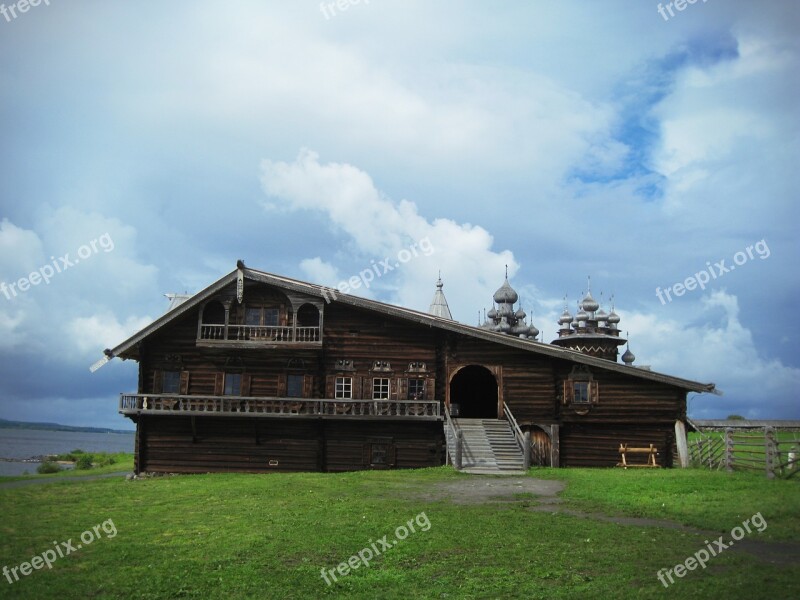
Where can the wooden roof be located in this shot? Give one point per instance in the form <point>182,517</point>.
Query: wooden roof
<point>127,349</point>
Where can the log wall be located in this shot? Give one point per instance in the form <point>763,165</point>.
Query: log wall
<point>175,445</point>
<point>627,410</point>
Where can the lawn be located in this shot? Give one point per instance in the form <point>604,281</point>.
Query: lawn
<point>269,536</point>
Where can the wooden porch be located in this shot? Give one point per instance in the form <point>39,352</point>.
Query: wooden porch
<point>242,406</point>
<point>256,335</point>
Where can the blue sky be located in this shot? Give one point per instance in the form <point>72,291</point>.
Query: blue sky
<point>562,139</point>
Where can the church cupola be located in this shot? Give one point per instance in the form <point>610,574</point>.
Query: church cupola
<point>504,318</point>
<point>439,307</point>
<point>592,330</point>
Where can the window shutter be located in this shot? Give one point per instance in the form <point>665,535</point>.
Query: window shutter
<point>184,389</point>
<point>430,383</point>
<point>360,386</point>
<point>308,386</point>
<point>219,384</point>
<point>393,388</point>
<point>402,389</point>
<point>245,387</point>
<point>158,381</point>
<point>568,392</point>
<point>391,459</point>
<point>330,386</point>
<point>594,392</point>
<point>282,385</point>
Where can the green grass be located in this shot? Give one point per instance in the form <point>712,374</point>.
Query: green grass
<point>268,536</point>
<point>122,462</point>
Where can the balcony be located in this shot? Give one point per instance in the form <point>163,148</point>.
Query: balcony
<point>257,335</point>
<point>241,406</point>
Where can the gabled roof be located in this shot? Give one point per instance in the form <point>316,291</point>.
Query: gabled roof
<point>331,295</point>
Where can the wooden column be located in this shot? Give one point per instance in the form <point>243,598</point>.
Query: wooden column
<point>555,446</point>
<point>681,442</point>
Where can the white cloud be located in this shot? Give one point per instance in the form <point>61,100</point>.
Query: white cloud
<point>380,229</point>
<point>710,344</point>
<point>319,271</point>
<point>92,334</point>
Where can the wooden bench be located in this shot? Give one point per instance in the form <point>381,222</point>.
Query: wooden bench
<point>650,451</point>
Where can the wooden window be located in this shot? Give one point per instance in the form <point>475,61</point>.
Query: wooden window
<point>344,387</point>
<point>171,383</point>
<point>416,389</point>
<point>252,316</point>
<point>581,389</point>
<point>259,316</point>
<point>233,384</point>
<point>580,392</point>
<point>380,388</point>
<point>294,386</point>
<point>379,455</point>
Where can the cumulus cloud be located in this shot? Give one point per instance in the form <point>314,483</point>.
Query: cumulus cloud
<point>319,271</point>
<point>380,228</point>
<point>711,344</point>
<point>94,333</point>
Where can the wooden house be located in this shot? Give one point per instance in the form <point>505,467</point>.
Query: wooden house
<point>262,373</point>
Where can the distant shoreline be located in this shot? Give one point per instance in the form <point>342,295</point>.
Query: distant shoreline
<point>6,424</point>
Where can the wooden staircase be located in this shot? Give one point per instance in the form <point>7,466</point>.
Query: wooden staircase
<point>489,447</point>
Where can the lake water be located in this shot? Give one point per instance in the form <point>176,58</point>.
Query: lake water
<point>19,444</point>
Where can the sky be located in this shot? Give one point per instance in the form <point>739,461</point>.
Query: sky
<point>145,147</point>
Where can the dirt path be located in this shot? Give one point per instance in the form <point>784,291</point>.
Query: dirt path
<point>486,489</point>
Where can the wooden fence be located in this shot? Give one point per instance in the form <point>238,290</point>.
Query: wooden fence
<point>749,450</point>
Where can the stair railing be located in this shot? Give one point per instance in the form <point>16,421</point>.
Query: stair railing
<point>523,439</point>
<point>455,439</point>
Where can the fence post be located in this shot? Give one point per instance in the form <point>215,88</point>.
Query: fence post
<point>729,449</point>
<point>459,443</point>
<point>770,451</point>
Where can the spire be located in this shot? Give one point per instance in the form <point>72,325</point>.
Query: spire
<point>439,307</point>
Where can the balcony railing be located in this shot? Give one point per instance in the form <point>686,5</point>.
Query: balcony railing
<point>258,333</point>
<point>241,406</point>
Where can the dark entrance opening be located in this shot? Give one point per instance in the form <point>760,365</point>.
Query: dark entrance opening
<point>474,389</point>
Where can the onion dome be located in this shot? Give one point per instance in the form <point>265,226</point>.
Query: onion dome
<point>628,357</point>
<point>520,314</point>
<point>519,329</point>
<point>613,317</point>
<point>505,310</point>
<point>582,316</point>
<point>532,331</point>
<point>503,326</point>
<point>601,315</point>
<point>588,303</point>
<point>506,294</point>
<point>491,314</point>
<point>565,318</point>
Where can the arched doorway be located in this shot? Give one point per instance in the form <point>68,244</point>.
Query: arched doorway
<point>474,389</point>
<point>214,313</point>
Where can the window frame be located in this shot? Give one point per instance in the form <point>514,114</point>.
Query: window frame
<point>262,312</point>
<point>297,378</point>
<point>171,377</point>
<point>381,388</point>
<point>343,387</point>
<point>418,382</point>
<point>582,392</point>
<point>232,377</point>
